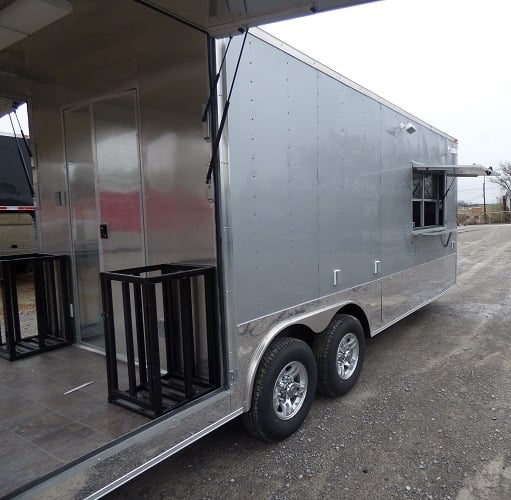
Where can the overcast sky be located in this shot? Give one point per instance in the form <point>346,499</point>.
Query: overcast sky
<point>6,124</point>
<point>446,61</point>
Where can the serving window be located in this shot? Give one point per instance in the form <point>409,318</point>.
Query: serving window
<point>428,190</point>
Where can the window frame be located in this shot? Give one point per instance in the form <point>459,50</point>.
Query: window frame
<point>426,201</point>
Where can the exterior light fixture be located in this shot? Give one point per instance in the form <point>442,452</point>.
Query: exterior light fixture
<point>408,127</point>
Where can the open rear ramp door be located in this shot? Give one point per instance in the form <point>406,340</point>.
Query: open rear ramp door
<point>221,17</point>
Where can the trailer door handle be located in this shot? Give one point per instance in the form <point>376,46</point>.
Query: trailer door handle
<point>377,266</point>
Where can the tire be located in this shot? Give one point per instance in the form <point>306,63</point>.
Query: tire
<point>286,374</point>
<point>339,352</point>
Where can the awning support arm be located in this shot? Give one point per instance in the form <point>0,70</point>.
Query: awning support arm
<point>23,135</point>
<point>448,189</point>
<point>215,83</point>
<point>216,145</point>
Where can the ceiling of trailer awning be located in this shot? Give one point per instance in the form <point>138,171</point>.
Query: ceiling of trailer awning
<point>33,46</point>
<point>221,17</point>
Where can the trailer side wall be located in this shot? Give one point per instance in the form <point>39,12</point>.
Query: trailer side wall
<point>320,178</point>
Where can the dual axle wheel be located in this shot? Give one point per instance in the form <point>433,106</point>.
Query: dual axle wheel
<point>290,372</point>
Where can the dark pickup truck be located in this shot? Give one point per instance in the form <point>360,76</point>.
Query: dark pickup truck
<point>17,211</point>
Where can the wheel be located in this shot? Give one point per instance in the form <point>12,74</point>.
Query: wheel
<point>284,389</point>
<point>339,352</point>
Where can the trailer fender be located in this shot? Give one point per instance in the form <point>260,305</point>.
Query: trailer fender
<point>315,321</point>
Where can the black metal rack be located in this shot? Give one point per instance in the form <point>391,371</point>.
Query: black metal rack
<point>169,329</point>
<point>52,305</point>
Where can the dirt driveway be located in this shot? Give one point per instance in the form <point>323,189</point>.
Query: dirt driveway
<point>429,418</point>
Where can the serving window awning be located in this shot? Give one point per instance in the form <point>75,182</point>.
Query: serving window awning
<point>456,170</point>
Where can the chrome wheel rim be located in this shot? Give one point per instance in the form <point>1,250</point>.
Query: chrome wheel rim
<point>290,390</point>
<point>347,356</point>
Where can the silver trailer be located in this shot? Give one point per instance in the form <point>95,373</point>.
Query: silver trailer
<point>329,214</point>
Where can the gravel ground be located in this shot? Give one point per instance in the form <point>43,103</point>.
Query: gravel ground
<point>428,418</point>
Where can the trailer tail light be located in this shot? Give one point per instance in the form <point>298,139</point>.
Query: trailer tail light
<point>17,209</point>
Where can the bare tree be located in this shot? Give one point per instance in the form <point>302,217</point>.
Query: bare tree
<point>504,181</point>
<point>462,203</point>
